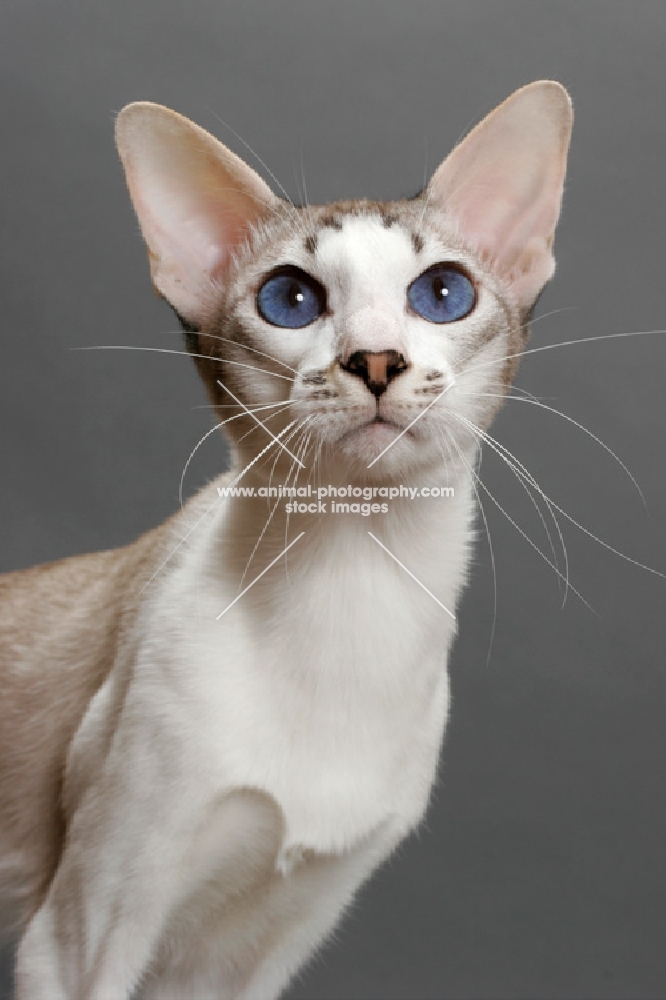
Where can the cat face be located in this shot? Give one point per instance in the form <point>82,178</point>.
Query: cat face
<point>375,311</point>
<point>383,328</point>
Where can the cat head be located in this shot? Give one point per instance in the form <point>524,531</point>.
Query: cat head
<point>366,319</point>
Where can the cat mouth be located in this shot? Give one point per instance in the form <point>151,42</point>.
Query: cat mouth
<point>381,420</point>
<point>378,425</point>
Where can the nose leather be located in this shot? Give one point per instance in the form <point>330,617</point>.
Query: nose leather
<point>376,368</point>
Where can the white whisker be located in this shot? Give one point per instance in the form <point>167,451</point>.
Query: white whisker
<point>250,413</point>
<point>451,440</point>
<point>246,347</point>
<point>582,427</point>
<point>564,343</point>
<point>553,312</point>
<point>272,510</point>
<point>530,542</point>
<point>212,507</point>
<point>591,534</point>
<point>294,213</point>
<point>237,406</point>
<point>301,449</point>
<point>524,476</point>
<point>186,354</point>
<point>201,441</point>
<point>275,413</point>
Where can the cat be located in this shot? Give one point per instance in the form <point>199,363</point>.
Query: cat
<point>211,737</point>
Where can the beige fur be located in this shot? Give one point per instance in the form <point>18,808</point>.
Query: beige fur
<point>62,626</point>
<point>188,805</point>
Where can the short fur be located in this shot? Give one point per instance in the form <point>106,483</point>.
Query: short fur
<point>192,785</point>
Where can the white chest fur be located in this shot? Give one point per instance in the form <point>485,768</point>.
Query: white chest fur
<point>325,684</point>
<point>237,777</point>
<point>275,756</point>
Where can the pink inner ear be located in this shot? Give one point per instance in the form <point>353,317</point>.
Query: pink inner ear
<point>191,237</point>
<point>506,205</point>
<point>511,227</point>
<point>196,202</point>
<point>503,186</point>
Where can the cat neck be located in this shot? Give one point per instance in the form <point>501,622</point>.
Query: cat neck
<point>425,516</point>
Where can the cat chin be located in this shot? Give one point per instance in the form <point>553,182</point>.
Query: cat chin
<point>407,453</point>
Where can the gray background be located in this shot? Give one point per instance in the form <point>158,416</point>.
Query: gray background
<point>540,870</point>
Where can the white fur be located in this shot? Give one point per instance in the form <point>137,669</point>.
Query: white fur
<point>255,759</point>
<point>334,733</point>
<point>236,778</point>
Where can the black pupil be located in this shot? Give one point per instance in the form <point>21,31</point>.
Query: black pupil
<point>295,294</point>
<point>439,288</point>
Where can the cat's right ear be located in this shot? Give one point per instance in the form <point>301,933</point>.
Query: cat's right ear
<point>195,200</point>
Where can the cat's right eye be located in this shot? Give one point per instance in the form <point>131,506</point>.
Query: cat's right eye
<point>291,298</point>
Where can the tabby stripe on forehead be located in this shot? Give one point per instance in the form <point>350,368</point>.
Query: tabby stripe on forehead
<point>327,222</point>
<point>388,219</point>
<point>330,222</point>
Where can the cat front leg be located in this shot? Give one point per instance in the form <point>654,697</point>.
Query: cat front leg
<point>130,865</point>
<point>81,946</point>
<point>51,965</point>
<point>251,949</point>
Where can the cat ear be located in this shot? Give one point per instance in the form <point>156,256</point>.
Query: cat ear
<point>195,199</point>
<point>503,185</point>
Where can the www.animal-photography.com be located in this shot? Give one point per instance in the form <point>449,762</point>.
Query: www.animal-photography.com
<point>333,568</point>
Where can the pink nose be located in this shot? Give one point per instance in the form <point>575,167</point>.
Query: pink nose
<point>376,368</point>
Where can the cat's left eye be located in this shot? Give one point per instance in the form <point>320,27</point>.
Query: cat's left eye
<point>442,294</point>
<point>291,298</point>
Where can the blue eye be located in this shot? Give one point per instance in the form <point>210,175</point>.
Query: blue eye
<point>291,299</point>
<point>442,294</point>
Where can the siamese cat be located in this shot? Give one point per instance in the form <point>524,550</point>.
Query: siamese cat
<point>210,738</point>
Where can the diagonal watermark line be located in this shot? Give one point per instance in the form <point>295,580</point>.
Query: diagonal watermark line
<point>277,558</point>
<point>260,422</point>
<point>409,573</point>
<point>411,424</point>
<point>212,507</point>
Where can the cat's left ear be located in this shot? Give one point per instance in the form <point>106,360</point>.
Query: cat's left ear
<point>503,185</point>
<point>196,202</point>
